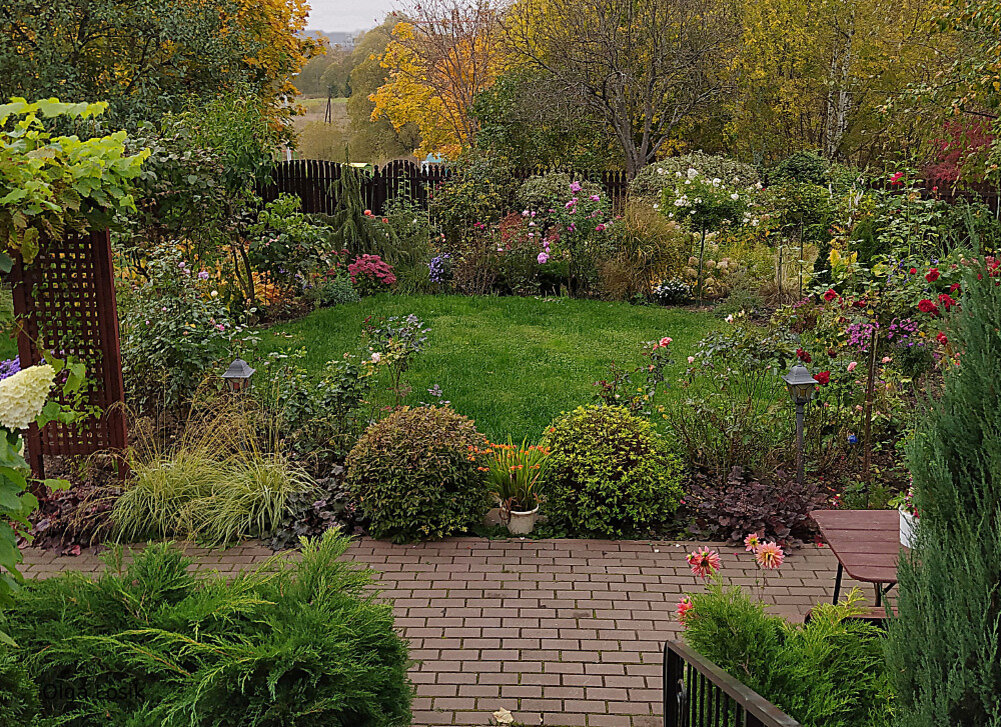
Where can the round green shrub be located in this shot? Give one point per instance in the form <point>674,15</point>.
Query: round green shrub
<point>544,191</point>
<point>609,474</point>
<point>417,474</point>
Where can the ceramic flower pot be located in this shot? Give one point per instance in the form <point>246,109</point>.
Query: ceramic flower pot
<point>908,528</point>
<point>521,522</point>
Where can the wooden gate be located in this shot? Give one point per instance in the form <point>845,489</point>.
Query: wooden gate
<point>64,302</point>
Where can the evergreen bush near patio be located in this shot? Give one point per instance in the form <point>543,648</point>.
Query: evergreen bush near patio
<point>828,673</point>
<point>609,474</point>
<point>289,645</point>
<point>418,474</point>
<point>945,646</point>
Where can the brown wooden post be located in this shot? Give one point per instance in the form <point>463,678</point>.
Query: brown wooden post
<point>65,303</point>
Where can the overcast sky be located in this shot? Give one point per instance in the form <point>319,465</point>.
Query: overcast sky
<point>348,15</point>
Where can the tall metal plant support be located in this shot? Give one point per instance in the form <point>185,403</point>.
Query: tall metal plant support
<point>64,302</point>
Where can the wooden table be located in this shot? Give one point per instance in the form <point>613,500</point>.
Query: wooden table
<point>866,544</point>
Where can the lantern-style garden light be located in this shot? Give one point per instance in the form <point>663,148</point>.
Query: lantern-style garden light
<point>801,385</point>
<point>238,375</point>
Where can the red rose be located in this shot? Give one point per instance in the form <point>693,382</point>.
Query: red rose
<point>942,338</point>
<point>823,378</point>
<point>947,301</point>
<point>830,295</point>
<point>926,306</point>
<point>932,275</point>
<point>803,355</point>
<point>860,303</point>
<point>913,271</point>
<point>954,287</point>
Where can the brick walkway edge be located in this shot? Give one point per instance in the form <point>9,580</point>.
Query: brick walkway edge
<point>559,632</point>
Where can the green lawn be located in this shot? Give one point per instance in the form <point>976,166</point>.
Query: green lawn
<point>512,364</point>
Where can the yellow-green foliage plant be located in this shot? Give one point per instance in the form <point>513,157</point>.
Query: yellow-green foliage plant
<point>224,479</point>
<point>609,474</point>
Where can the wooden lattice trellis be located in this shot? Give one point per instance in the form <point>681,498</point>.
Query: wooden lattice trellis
<point>65,302</point>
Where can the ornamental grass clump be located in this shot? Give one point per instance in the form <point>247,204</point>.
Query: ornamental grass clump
<point>609,474</point>
<point>289,644</point>
<point>224,480</point>
<point>419,474</point>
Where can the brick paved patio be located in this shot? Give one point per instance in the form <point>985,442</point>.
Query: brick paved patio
<point>559,632</point>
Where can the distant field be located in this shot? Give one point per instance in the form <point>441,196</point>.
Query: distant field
<point>315,108</point>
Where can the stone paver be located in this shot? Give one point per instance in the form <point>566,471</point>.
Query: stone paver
<point>559,632</point>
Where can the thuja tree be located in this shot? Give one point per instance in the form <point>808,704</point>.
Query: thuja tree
<point>944,649</point>
<point>352,230</point>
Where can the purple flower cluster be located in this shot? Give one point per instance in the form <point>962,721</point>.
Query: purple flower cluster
<point>9,367</point>
<point>903,332</point>
<point>860,334</point>
<point>438,268</point>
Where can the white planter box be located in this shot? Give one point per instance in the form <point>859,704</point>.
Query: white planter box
<point>908,528</point>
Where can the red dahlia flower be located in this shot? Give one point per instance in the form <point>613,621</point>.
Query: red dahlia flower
<point>927,306</point>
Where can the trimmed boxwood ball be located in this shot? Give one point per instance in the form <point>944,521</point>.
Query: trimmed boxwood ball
<point>609,474</point>
<point>417,474</point>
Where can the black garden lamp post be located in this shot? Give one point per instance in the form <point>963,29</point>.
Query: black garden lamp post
<point>238,375</point>
<point>801,385</point>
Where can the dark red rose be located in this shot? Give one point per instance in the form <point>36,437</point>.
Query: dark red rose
<point>927,306</point>
<point>830,295</point>
<point>823,378</point>
<point>932,275</point>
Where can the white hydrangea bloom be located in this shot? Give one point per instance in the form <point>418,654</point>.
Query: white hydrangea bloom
<point>23,395</point>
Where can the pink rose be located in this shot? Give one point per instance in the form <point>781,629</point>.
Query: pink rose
<point>852,365</point>
<point>665,341</point>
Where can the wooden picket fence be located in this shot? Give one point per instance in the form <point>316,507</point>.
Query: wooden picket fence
<point>312,180</point>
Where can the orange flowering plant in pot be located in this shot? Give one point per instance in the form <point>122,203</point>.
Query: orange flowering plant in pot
<point>515,473</point>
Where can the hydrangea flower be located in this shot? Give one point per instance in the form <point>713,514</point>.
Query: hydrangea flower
<point>23,395</point>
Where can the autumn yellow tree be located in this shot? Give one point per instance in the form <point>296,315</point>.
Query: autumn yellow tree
<point>824,74</point>
<point>438,60</point>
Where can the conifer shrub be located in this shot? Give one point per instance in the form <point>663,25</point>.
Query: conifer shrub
<point>944,649</point>
<point>609,474</point>
<point>287,645</point>
<point>418,474</point>
<point>828,673</point>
